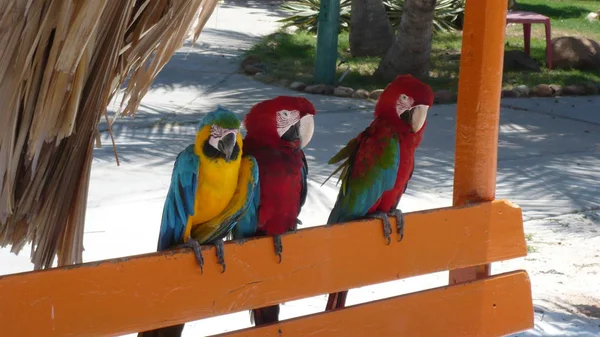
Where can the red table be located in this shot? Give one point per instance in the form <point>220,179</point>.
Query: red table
<point>527,18</point>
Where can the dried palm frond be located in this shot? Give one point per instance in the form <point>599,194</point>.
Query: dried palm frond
<point>62,62</point>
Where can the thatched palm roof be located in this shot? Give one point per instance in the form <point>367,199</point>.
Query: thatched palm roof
<point>62,62</point>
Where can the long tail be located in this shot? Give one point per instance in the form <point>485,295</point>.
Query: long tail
<point>336,300</point>
<point>266,315</point>
<point>169,331</point>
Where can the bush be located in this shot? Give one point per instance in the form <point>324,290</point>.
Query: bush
<point>304,14</point>
<point>447,17</point>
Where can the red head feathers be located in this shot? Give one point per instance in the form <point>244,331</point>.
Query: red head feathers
<point>281,121</point>
<point>406,101</point>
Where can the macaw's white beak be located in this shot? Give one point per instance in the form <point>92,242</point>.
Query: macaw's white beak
<point>307,128</point>
<point>419,115</point>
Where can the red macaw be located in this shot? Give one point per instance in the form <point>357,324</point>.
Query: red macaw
<point>277,131</point>
<point>379,162</point>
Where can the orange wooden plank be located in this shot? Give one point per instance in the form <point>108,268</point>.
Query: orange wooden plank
<point>144,292</point>
<point>495,306</point>
<point>478,110</point>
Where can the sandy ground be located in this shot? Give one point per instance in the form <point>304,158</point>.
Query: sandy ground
<point>548,164</point>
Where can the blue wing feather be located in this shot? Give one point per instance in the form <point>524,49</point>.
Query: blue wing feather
<point>357,196</point>
<point>248,223</point>
<point>179,203</point>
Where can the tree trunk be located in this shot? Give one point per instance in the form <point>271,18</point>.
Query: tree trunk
<point>370,30</point>
<point>410,52</point>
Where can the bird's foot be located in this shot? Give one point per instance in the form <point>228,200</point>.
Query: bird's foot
<point>298,222</point>
<point>387,227</point>
<point>278,246</point>
<point>221,254</point>
<point>195,246</point>
<point>399,223</point>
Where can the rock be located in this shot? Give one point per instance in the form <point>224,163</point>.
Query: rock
<point>444,97</point>
<point>260,76</point>
<point>543,90</point>
<point>574,90</point>
<point>556,89</point>
<point>343,92</point>
<point>251,69</point>
<point>296,85</point>
<point>508,94</point>
<point>575,52</point>
<point>522,91</point>
<point>284,82</point>
<point>518,60</point>
<point>269,79</point>
<point>322,89</point>
<point>591,89</point>
<point>361,93</point>
<point>375,94</point>
<point>250,60</point>
<point>593,17</point>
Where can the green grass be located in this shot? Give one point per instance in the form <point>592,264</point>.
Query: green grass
<point>531,249</point>
<point>291,56</point>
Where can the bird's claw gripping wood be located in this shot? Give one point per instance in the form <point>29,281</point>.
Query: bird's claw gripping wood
<point>195,246</point>
<point>278,246</point>
<point>387,227</point>
<point>399,223</point>
<point>220,247</point>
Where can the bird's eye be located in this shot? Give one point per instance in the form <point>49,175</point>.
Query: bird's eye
<point>286,114</point>
<point>403,97</point>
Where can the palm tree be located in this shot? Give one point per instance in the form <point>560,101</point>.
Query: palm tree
<point>410,52</point>
<point>370,30</point>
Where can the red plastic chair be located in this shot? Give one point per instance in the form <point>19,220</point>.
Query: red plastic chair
<point>526,19</point>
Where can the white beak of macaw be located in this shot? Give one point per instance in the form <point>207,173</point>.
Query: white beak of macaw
<point>291,127</point>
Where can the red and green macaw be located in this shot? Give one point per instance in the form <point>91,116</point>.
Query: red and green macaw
<point>379,162</point>
<point>277,131</point>
<point>212,186</point>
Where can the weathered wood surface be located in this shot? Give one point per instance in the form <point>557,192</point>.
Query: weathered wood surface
<point>495,306</point>
<point>142,292</point>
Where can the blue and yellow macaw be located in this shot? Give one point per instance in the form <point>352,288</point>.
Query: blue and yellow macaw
<point>212,185</point>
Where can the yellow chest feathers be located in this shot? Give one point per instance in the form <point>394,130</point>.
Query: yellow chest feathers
<point>217,181</point>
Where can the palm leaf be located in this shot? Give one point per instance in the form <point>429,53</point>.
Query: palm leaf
<point>61,64</point>
<point>304,14</point>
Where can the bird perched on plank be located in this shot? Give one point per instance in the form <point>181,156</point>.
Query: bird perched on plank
<point>212,185</point>
<point>379,162</point>
<point>277,131</point>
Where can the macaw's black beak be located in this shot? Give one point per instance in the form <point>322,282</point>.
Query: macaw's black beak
<point>226,145</point>
<point>292,134</point>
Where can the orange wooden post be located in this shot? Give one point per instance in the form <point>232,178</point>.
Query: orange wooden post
<point>478,112</point>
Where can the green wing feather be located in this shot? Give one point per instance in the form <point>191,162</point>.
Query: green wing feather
<point>345,153</point>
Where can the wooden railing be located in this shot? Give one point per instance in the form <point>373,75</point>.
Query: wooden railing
<point>138,293</point>
<point>144,292</point>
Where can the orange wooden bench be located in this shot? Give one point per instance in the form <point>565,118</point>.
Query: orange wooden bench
<point>143,292</point>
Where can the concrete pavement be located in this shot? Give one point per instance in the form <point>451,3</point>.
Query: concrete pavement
<point>548,147</point>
